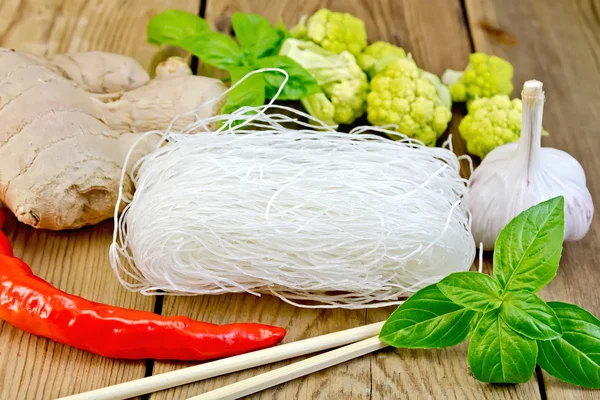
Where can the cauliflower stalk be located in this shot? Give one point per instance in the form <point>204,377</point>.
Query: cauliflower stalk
<point>344,85</point>
<point>485,76</point>
<point>333,31</point>
<point>413,100</point>
<point>491,122</point>
<point>319,106</point>
<point>376,52</point>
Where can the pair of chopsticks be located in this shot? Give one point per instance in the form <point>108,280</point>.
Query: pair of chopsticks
<point>356,342</point>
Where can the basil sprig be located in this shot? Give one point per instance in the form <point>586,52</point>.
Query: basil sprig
<point>510,328</point>
<point>257,46</point>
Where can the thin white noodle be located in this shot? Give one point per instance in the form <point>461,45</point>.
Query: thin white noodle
<point>316,217</point>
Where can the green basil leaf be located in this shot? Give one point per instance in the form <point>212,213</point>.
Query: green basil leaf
<point>283,33</point>
<point>428,319</point>
<point>300,82</point>
<point>575,357</point>
<point>497,354</point>
<point>172,26</point>
<point>251,92</point>
<point>530,316</point>
<point>254,33</point>
<point>283,30</point>
<point>214,48</point>
<point>472,290</point>
<point>239,72</point>
<point>528,249</point>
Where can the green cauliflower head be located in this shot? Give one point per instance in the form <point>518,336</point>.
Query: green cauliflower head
<point>491,122</point>
<point>344,84</point>
<point>402,95</point>
<point>348,98</point>
<point>334,31</point>
<point>375,52</point>
<point>485,76</point>
<point>319,106</point>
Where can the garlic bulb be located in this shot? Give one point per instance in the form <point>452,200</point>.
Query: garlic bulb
<point>516,176</point>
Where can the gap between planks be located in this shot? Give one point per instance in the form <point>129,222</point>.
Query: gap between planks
<point>160,299</point>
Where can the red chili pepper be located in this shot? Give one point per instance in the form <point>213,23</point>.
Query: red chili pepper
<point>5,247</point>
<point>35,306</point>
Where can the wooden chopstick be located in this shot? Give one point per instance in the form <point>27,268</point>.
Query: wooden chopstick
<point>228,365</point>
<point>293,371</point>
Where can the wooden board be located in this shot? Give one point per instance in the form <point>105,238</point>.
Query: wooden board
<point>558,45</point>
<point>32,367</point>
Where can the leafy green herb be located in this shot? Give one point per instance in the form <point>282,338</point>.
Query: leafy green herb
<point>528,249</point>
<point>259,44</point>
<point>530,316</point>
<point>300,82</point>
<point>428,319</point>
<point>575,357</point>
<point>173,26</point>
<point>514,328</point>
<point>251,92</point>
<point>498,354</point>
<point>255,33</point>
<point>282,31</point>
<point>214,48</point>
<point>472,290</point>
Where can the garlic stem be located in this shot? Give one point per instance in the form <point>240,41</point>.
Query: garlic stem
<point>531,126</point>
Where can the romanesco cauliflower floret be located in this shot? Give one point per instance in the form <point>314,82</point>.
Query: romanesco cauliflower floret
<point>319,106</point>
<point>376,52</point>
<point>348,98</point>
<point>333,31</point>
<point>344,84</point>
<point>491,122</point>
<point>485,76</point>
<point>402,95</point>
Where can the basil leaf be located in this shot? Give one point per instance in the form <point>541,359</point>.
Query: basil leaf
<point>254,33</point>
<point>473,290</point>
<point>300,82</point>
<point>528,249</point>
<point>428,319</point>
<point>172,26</point>
<point>283,30</point>
<point>497,354</point>
<point>575,357</point>
<point>251,92</point>
<point>530,316</point>
<point>283,33</point>
<point>214,48</point>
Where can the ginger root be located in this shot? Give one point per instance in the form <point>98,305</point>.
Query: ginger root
<point>100,72</point>
<point>67,123</point>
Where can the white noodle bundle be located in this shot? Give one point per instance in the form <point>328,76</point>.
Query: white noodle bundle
<point>316,217</point>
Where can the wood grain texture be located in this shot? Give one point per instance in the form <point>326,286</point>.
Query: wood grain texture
<point>36,368</point>
<point>48,27</point>
<point>77,262</point>
<point>351,379</point>
<point>557,43</point>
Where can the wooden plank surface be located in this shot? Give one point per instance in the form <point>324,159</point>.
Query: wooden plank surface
<point>558,44</point>
<point>32,367</point>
